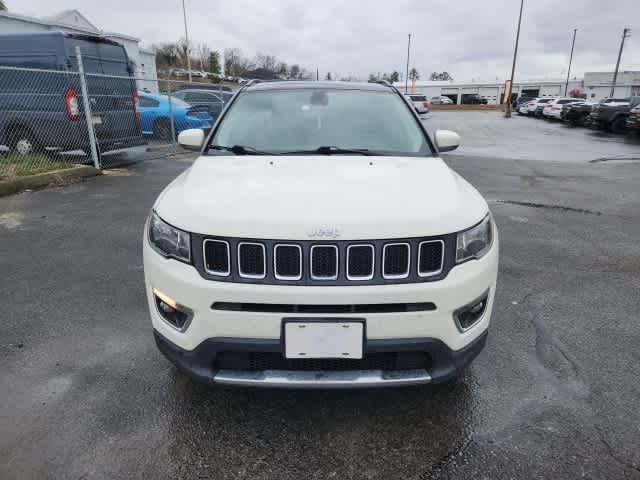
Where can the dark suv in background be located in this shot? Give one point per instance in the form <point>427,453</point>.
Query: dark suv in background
<point>612,116</point>
<point>44,110</point>
<point>473,99</point>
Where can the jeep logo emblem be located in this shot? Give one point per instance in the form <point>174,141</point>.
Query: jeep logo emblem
<point>324,231</point>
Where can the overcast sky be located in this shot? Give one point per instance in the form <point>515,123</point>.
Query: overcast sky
<point>471,39</point>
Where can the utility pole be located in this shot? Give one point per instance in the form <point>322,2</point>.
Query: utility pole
<point>625,34</point>
<point>507,112</point>
<point>317,74</point>
<point>186,36</point>
<point>566,85</point>
<point>406,79</point>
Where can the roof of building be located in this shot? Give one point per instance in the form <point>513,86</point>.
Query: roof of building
<point>54,22</point>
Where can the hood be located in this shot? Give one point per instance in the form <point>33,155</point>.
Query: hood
<point>338,196</point>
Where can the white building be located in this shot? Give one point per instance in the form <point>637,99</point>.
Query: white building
<point>594,85</point>
<point>598,84</point>
<point>74,21</point>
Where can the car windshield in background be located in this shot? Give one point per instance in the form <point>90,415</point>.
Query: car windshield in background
<point>301,121</point>
<point>418,98</point>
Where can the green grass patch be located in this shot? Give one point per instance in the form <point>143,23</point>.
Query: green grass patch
<point>13,165</point>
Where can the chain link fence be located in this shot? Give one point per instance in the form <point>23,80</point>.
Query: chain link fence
<point>52,119</point>
<point>42,124</point>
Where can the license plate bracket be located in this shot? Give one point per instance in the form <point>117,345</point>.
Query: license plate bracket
<point>323,337</point>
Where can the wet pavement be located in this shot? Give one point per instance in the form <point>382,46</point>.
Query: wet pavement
<point>85,394</point>
<point>489,134</point>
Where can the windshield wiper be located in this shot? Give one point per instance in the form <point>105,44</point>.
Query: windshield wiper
<point>333,150</point>
<point>242,150</point>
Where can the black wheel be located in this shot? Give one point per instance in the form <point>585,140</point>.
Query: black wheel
<point>162,128</point>
<point>619,125</point>
<point>22,141</point>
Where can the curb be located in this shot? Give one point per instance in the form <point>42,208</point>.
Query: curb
<point>41,180</point>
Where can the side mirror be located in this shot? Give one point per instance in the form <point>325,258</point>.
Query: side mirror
<point>191,139</point>
<point>446,140</point>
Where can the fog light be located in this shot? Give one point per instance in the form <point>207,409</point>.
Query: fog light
<point>467,316</point>
<point>178,316</point>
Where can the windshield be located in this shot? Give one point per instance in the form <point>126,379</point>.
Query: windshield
<point>302,120</point>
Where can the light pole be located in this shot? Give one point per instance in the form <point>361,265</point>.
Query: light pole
<point>186,36</point>
<point>625,34</point>
<point>507,112</point>
<point>573,42</point>
<point>406,78</point>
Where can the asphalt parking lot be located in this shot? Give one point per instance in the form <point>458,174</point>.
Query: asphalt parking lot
<point>555,394</point>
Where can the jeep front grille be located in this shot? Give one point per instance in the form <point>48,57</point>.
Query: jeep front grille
<point>396,260</point>
<point>360,262</point>
<point>430,258</point>
<point>217,259</point>
<point>310,262</point>
<point>252,260</point>
<point>324,262</point>
<point>287,264</point>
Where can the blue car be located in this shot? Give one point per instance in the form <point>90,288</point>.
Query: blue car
<point>155,116</point>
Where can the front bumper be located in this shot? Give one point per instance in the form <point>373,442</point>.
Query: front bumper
<point>200,364</point>
<point>213,329</point>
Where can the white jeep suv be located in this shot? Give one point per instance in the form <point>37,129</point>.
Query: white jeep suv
<point>320,242</point>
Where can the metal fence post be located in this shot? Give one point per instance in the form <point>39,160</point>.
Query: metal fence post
<point>173,127</point>
<point>87,111</point>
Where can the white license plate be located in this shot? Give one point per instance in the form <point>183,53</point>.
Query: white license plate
<point>323,339</point>
<point>96,120</point>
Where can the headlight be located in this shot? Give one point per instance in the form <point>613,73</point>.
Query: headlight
<point>474,242</point>
<point>169,241</point>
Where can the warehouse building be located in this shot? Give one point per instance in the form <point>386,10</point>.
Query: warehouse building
<point>594,86</point>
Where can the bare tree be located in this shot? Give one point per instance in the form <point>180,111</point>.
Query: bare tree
<point>294,73</point>
<point>268,62</point>
<point>203,51</point>
<point>232,58</point>
<point>167,56</point>
<point>283,70</point>
<point>3,7</point>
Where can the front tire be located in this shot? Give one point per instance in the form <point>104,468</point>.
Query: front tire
<point>619,125</point>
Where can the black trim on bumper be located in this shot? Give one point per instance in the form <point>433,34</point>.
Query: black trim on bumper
<point>199,362</point>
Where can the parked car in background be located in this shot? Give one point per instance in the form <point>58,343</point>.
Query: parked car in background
<point>535,107</point>
<point>577,113</point>
<point>441,100</point>
<point>553,109</point>
<point>213,100</point>
<point>523,108</point>
<point>473,99</point>
<point>419,102</point>
<point>612,116</point>
<point>156,116</point>
<point>518,102</point>
<point>43,111</point>
<point>633,119</point>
